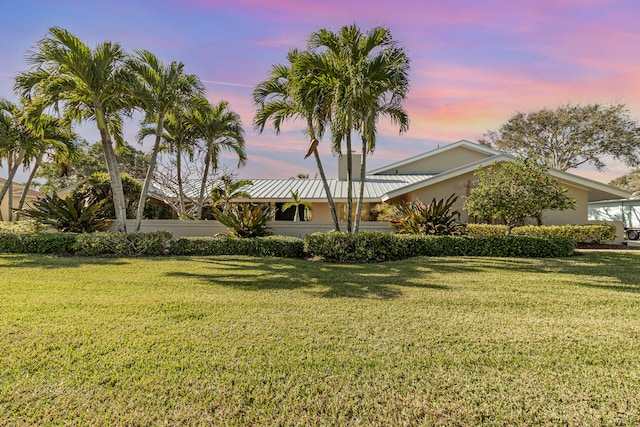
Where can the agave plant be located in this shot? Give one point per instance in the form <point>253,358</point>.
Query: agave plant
<point>73,214</point>
<point>436,218</point>
<point>246,219</point>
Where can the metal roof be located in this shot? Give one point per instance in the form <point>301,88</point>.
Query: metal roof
<point>309,189</point>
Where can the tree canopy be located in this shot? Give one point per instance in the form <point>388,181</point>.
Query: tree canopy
<point>571,135</point>
<point>513,191</point>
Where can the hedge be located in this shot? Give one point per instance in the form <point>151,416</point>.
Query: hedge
<point>588,233</point>
<point>269,246</point>
<point>123,244</point>
<point>377,247</point>
<point>37,243</point>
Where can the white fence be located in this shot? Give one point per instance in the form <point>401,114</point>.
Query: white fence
<point>211,228</point>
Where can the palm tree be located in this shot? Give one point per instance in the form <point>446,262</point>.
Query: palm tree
<point>296,202</point>
<point>88,85</point>
<point>164,89</point>
<point>219,128</point>
<point>53,137</point>
<point>292,92</point>
<point>227,189</point>
<point>15,141</point>
<point>368,76</point>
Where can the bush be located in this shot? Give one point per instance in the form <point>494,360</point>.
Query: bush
<point>74,214</point>
<point>483,230</point>
<point>590,233</point>
<point>272,246</point>
<point>24,226</point>
<point>38,243</point>
<point>436,218</point>
<point>246,220</point>
<point>123,244</point>
<point>377,247</point>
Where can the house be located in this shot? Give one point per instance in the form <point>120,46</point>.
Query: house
<point>436,174</point>
<point>15,194</point>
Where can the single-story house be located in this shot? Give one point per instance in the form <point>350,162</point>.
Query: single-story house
<point>436,174</point>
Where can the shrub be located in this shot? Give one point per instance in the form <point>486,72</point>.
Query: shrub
<point>123,244</point>
<point>272,246</point>
<point>38,243</point>
<point>376,247</point>
<point>73,214</point>
<point>588,233</point>
<point>436,218</point>
<point>25,226</point>
<point>246,220</point>
<point>484,230</point>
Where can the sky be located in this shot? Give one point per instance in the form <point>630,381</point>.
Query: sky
<point>474,63</point>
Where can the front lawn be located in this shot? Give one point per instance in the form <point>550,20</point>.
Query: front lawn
<point>266,341</point>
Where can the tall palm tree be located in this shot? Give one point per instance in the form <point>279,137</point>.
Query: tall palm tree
<point>163,88</point>
<point>87,84</point>
<point>292,92</point>
<point>368,74</point>
<point>15,142</point>
<point>219,128</point>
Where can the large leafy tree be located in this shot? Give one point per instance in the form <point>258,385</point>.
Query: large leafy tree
<point>219,128</point>
<point>368,77</point>
<point>163,89</point>
<point>629,182</point>
<point>515,190</point>
<point>63,171</point>
<point>86,84</point>
<point>571,135</point>
<point>295,91</point>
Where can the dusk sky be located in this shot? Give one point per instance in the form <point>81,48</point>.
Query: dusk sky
<point>473,63</point>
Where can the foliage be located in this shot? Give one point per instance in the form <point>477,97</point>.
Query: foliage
<point>88,85</point>
<point>246,219</point>
<point>295,203</point>
<point>588,233</point>
<point>38,243</point>
<point>268,246</point>
<point>386,211</point>
<point>24,226</point>
<point>88,160</point>
<point>123,244</point>
<point>377,247</point>
<point>74,214</point>
<point>514,190</point>
<point>364,76</point>
<point>436,218</point>
<point>629,182</point>
<point>98,188</point>
<point>571,135</point>
<point>228,188</point>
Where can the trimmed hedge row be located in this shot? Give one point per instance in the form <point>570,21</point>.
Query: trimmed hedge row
<point>332,246</point>
<point>589,233</point>
<point>269,246</point>
<point>377,247</point>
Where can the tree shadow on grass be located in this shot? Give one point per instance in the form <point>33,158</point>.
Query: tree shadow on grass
<point>55,261</point>
<point>383,281</point>
<point>607,271</point>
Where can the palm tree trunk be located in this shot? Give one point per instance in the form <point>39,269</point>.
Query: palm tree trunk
<point>27,184</point>
<point>13,168</point>
<point>203,184</point>
<point>150,172</point>
<point>327,190</point>
<point>180,186</point>
<point>113,168</point>
<point>349,177</point>
<point>363,169</point>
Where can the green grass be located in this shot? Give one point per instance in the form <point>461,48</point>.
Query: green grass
<point>250,341</point>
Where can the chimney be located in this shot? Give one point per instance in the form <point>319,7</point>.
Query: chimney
<point>355,166</point>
